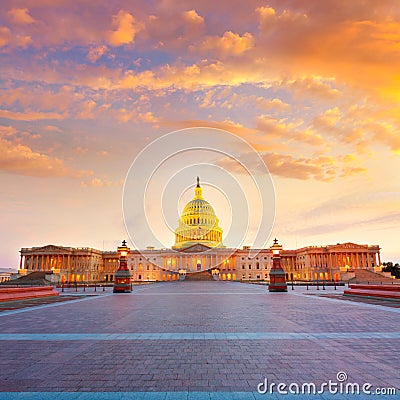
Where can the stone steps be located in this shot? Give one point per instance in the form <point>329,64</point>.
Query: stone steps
<point>199,276</point>
<point>367,276</point>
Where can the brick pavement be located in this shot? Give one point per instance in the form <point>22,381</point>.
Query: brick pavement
<point>194,340</point>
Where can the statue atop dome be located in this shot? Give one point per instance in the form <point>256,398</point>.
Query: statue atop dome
<point>198,224</point>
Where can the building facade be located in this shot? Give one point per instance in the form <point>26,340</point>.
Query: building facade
<point>198,247</point>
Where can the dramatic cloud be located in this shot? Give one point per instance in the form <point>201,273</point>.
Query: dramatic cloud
<point>193,18</point>
<point>96,52</point>
<point>29,115</point>
<point>22,160</point>
<point>287,166</point>
<point>20,16</point>
<point>314,86</point>
<point>271,104</point>
<point>226,125</point>
<point>230,44</point>
<point>5,36</point>
<point>125,29</point>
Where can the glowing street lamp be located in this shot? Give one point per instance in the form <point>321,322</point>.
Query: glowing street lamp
<point>122,277</point>
<point>182,274</point>
<point>277,277</point>
<point>215,274</point>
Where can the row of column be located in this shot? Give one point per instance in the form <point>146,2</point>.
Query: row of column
<point>44,262</point>
<point>48,261</point>
<point>355,260</point>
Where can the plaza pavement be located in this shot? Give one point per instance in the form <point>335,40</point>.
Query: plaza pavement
<point>196,340</point>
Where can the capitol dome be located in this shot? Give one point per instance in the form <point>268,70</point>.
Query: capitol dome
<point>198,224</point>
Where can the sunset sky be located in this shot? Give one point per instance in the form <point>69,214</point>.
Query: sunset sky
<point>313,85</point>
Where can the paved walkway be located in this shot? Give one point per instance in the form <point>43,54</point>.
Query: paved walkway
<point>197,340</point>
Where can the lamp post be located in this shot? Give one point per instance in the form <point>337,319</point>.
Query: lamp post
<point>182,274</point>
<point>277,277</point>
<point>215,274</point>
<point>122,277</point>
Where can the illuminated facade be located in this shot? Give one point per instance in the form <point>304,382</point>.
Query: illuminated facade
<point>198,247</point>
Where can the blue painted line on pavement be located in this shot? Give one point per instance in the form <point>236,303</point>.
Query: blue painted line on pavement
<point>184,395</point>
<point>197,336</point>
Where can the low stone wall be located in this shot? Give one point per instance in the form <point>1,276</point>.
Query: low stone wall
<point>21,293</point>
<point>388,292</point>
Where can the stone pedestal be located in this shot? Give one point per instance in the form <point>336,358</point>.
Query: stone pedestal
<point>277,277</point>
<point>122,277</point>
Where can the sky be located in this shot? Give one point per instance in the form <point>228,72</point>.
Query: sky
<point>313,86</point>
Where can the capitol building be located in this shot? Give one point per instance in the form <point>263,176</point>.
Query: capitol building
<point>199,253</point>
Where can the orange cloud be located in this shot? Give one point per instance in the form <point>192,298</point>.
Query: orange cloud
<point>229,44</point>
<point>271,126</point>
<point>385,133</point>
<point>194,76</point>
<point>360,126</point>
<point>148,117</point>
<point>20,16</point>
<point>192,17</point>
<point>5,36</point>
<point>125,31</point>
<point>269,18</point>
<point>283,132</point>
<point>226,125</point>
<point>287,166</point>
<point>301,168</point>
<point>7,131</point>
<point>22,160</point>
<point>30,115</point>
<point>271,104</point>
<point>97,182</point>
<point>316,87</point>
<point>96,52</point>
<point>52,128</point>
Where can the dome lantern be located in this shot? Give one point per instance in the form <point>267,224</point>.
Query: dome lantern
<point>198,192</point>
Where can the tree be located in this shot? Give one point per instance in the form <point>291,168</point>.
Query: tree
<point>393,269</point>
